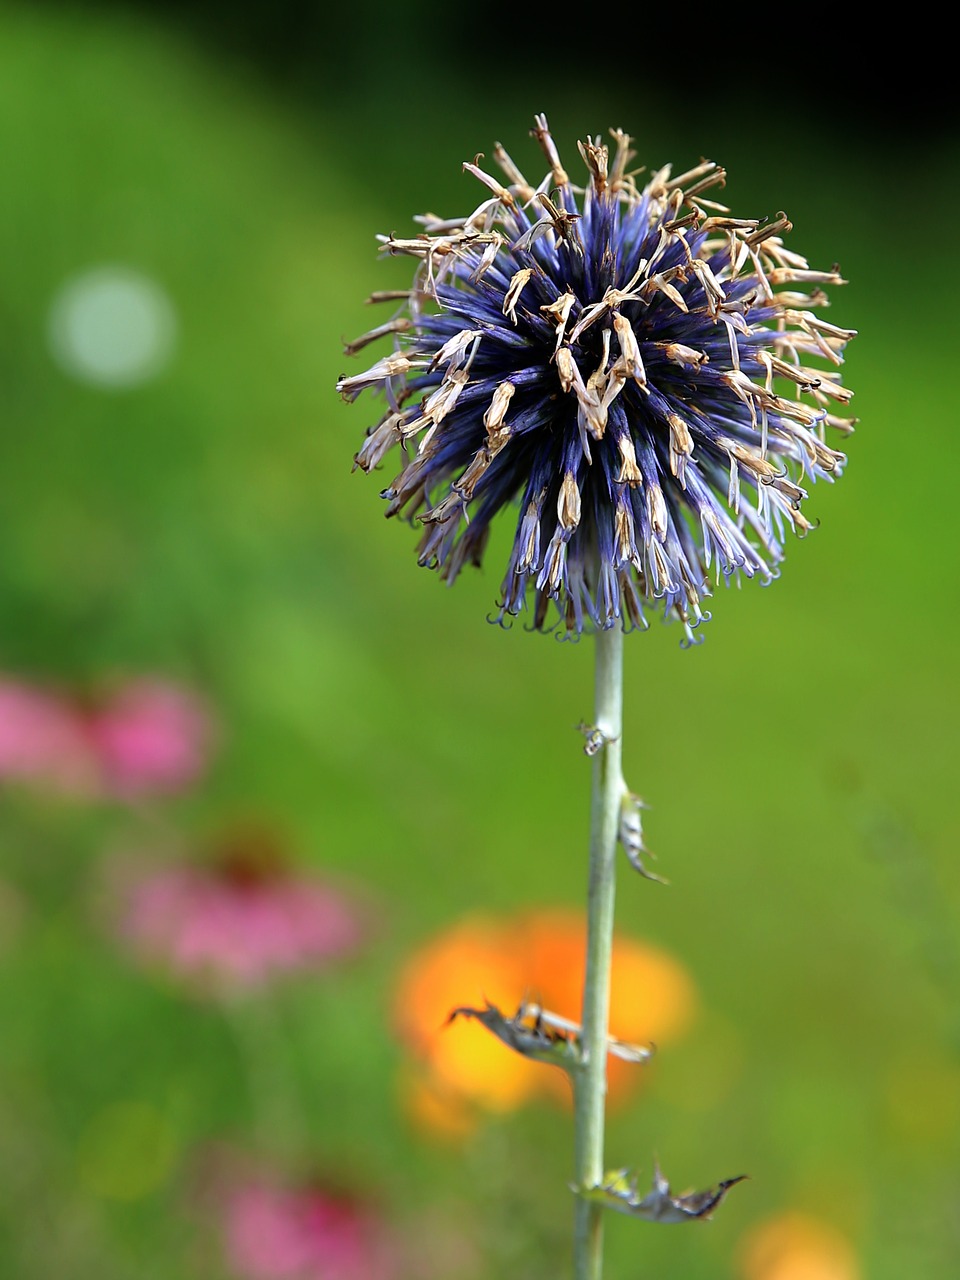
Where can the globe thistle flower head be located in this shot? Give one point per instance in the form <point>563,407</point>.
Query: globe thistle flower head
<point>642,376</point>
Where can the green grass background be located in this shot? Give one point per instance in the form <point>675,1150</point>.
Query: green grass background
<point>801,764</point>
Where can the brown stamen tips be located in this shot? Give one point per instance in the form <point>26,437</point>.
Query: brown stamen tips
<point>804,379</point>
<point>845,425</point>
<point>621,158</point>
<point>758,466</point>
<point>793,492</point>
<point>449,508</point>
<point>554,563</point>
<point>567,369</point>
<point>524,189</point>
<point>560,309</point>
<point>781,224</point>
<point>454,347</point>
<point>711,286</point>
<point>685,357</point>
<point>828,339</point>
<point>439,404</point>
<point>708,173</point>
<point>717,222</point>
<point>832,389</point>
<point>671,210</point>
<point>380,440</point>
<point>630,472</point>
<point>748,391</point>
<point>591,416</point>
<point>657,509</point>
<point>568,502</point>
<point>629,349</point>
<point>391,366</point>
<point>520,280</point>
<point>389,295</point>
<point>488,180</point>
<point>528,541</point>
<point>497,411</point>
<point>801,524</point>
<point>489,256</point>
<point>661,576</point>
<point>691,219</point>
<point>801,275</point>
<point>681,447</point>
<point>624,532</point>
<point>541,132</point>
<point>598,379</point>
<point>564,223</point>
<point>616,381</point>
<point>659,282</point>
<point>596,157</point>
<point>474,471</point>
<point>811,322</point>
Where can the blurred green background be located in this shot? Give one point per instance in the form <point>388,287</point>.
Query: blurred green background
<point>204,523</point>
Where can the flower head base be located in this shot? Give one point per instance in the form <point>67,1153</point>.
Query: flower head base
<point>629,365</point>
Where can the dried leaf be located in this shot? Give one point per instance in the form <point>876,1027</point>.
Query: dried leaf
<point>631,836</point>
<point>544,1036</point>
<point>618,1191</point>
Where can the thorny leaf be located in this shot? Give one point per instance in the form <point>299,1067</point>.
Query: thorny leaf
<point>544,1036</point>
<point>631,836</point>
<point>618,1191</point>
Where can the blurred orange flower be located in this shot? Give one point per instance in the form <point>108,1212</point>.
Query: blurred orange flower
<point>794,1246</point>
<point>536,956</point>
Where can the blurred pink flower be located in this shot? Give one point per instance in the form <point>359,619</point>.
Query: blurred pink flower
<point>150,736</point>
<point>277,1232</point>
<point>42,739</point>
<point>236,921</point>
<point>137,737</point>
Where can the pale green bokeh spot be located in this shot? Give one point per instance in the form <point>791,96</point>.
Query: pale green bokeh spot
<point>127,1152</point>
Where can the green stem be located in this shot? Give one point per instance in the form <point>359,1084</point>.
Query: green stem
<point>591,1081</point>
<point>264,1051</point>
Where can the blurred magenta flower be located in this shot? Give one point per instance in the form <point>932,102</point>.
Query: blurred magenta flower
<point>238,920</point>
<point>42,740</point>
<point>273,1231</point>
<point>137,737</point>
<point>150,736</point>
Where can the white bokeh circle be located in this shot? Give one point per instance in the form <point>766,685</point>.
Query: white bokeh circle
<point>112,326</point>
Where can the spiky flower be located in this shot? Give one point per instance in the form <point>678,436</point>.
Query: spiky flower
<point>629,365</point>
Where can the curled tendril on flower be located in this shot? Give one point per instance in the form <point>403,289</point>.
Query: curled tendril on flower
<point>628,366</point>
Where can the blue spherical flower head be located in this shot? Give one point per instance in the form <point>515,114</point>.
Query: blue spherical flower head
<point>628,368</point>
